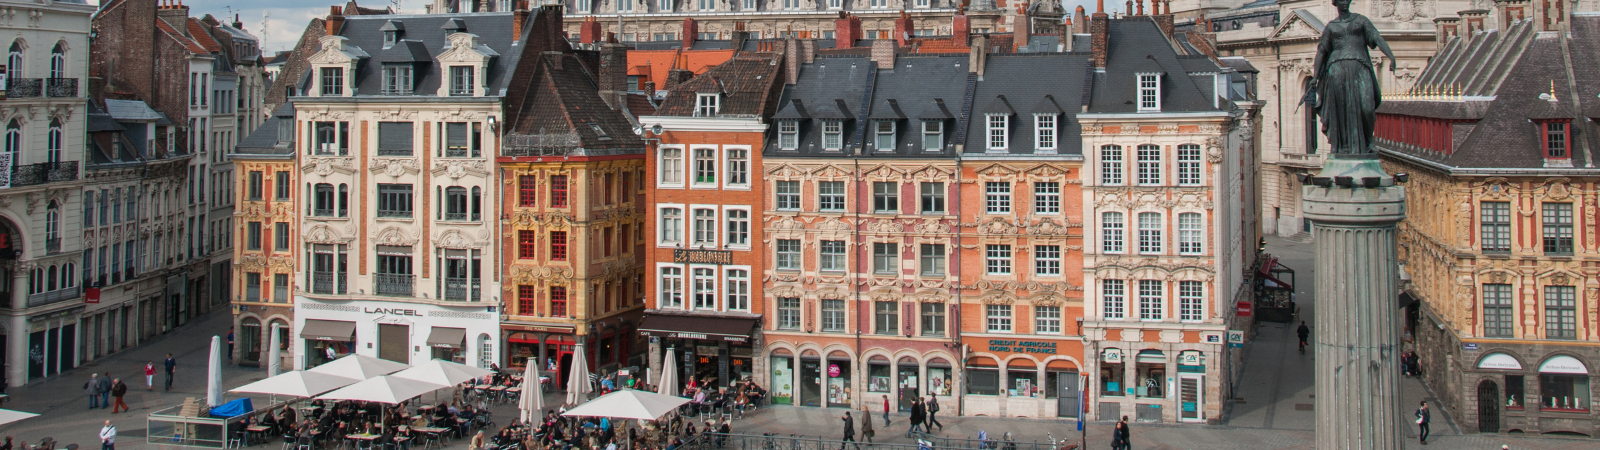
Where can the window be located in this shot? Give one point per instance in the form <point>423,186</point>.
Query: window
<point>830,195</point>
<point>1150,301</point>
<point>527,244</point>
<point>671,165</point>
<point>332,81</point>
<point>788,254</point>
<point>558,191</point>
<point>252,287</point>
<point>885,197</point>
<point>455,203</point>
<point>558,246</point>
<point>998,131</point>
<point>833,315</point>
<point>527,191</point>
<point>1047,260</point>
<point>671,225</point>
<point>282,191</point>
<point>253,233</point>
<point>788,313</point>
<point>997,318</point>
<point>1191,304</point>
<point>885,258</point>
<point>1149,92</point>
<point>14,137</point>
<point>832,135</point>
<point>932,319</point>
<point>280,238</point>
<point>394,138</point>
<point>738,290</point>
<point>738,227</point>
<point>558,301</point>
<point>832,256</point>
<point>886,317</point>
<point>1188,165</point>
<point>788,135</point>
<point>1047,320</point>
<point>997,197</point>
<point>1149,165</point>
<point>671,287</point>
<point>1496,226</point>
<point>1555,140</point>
<point>255,184</point>
<point>54,138</point>
<point>1559,392</point>
<point>706,105</point>
<point>1111,165</point>
<point>14,62</point>
<point>394,200</point>
<point>883,135</point>
<point>58,60</point>
<point>1112,295</point>
<point>1044,126</point>
<point>933,198</point>
<point>705,228</point>
<point>323,202</point>
<point>932,260</point>
<point>997,259</point>
<point>461,80</point>
<point>397,79</point>
<point>1149,232</point>
<point>932,135</point>
<point>1560,315</point>
<point>1111,226</point>
<point>1189,234</point>
<point>1047,197</point>
<point>738,167</point>
<point>1498,312</point>
<point>705,166</point>
<point>331,138</point>
<point>788,195</point>
<point>705,289</point>
<point>1557,219</point>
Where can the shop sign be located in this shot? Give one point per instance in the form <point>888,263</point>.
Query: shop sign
<point>1001,345</point>
<point>702,256</point>
<point>1191,369</point>
<point>1112,356</point>
<point>1236,338</point>
<point>1244,308</point>
<point>833,370</point>
<point>705,350</point>
<point>1189,357</point>
<point>1469,346</point>
<point>1211,337</point>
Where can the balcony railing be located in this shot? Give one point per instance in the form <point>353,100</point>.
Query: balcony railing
<point>455,152</point>
<point>24,87</point>
<point>41,173</point>
<point>322,212</point>
<point>52,245</point>
<point>394,151</point>
<point>399,285</point>
<point>327,283</point>
<point>45,298</point>
<point>455,216</point>
<point>61,87</point>
<point>544,144</point>
<point>394,214</point>
<point>460,289</point>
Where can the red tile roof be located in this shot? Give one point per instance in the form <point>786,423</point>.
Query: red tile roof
<point>656,63</point>
<point>198,31</point>
<point>173,33</point>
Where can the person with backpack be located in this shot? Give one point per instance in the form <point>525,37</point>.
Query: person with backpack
<point>118,389</point>
<point>933,408</point>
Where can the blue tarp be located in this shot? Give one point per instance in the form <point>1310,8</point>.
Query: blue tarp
<point>233,409</point>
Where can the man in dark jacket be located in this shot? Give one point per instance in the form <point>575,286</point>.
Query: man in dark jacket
<point>1423,417</point>
<point>118,389</point>
<point>849,432</point>
<point>1127,434</point>
<point>933,409</point>
<point>917,416</point>
<point>103,387</point>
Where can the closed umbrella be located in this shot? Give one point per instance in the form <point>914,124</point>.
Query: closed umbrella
<point>214,374</point>
<point>532,400</point>
<point>669,374</point>
<point>578,379</point>
<point>274,358</point>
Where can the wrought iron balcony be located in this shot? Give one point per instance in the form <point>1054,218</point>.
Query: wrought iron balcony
<point>394,151</point>
<point>394,214</point>
<point>61,87</point>
<point>59,295</point>
<point>394,284</point>
<point>24,87</point>
<point>327,283</point>
<point>322,212</point>
<point>460,289</point>
<point>455,216</point>
<point>52,245</point>
<point>41,173</point>
<point>455,152</point>
<point>543,144</point>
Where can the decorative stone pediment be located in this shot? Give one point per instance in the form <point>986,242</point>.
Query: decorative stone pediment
<point>393,235</point>
<point>832,293</point>
<point>1045,170</point>
<point>998,170</point>
<point>830,171</point>
<point>998,298</point>
<point>328,166</point>
<point>465,48</point>
<point>530,275</point>
<point>994,226</point>
<point>395,167</point>
<point>932,226</point>
<point>455,238</point>
<point>1296,27</point>
<point>932,172</point>
<point>833,224</point>
<point>786,292</point>
<point>790,223</point>
<point>336,50</point>
<point>884,295</point>
<point>931,296</point>
<point>884,172</point>
<point>324,234</point>
<point>458,168</point>
<point>885,226</point>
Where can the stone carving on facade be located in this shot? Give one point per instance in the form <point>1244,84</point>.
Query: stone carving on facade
<point>525,274</point>
<point>930,172</point>
<point>829,171</point>
<point>328,165</point>
<point>998,170</point>
<point>252,262</point>
<point>832,293</point>
<point>323,234</point>
<point>395,167</point>
<point>932,226</point>
<point>787,223</point>
<point>884,295</point>
<point>455,238</point>
<point>885,226</point>
<point>458,168</point>
<point>930,296</point>
<point>1557,188</point>
<point>393,235</point>
<point>786,291</point>
<point>1405,10</point>
<point>785,171</point>
<point>994,226</point>
<point>832,224</point>
<point>998,298</point>
<point>1047,299</point>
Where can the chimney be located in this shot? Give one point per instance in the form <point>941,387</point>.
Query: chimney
<point>335,20</point>
<point>519,20</point>
<point>1445,28</point>
<point>808,51</point>
<point>1080,22</point>
<point>1164,22</point>
<point>677,77</point>
<point>1099,34</point>
<point>614,74</point>
<point>691,31</point>
<point>791,61</point>
<point>739,36</point>
<point>649,88</point>
<point>589,31</point>
<point>903,28</point>
<point>883,53</point>
<point>978,55</point>
<point>960,29</point>
<point>1022,28</point>
<point>555,58</point>
<point>176,15</point>
<point>553,29</point>
<point>237,23</point>
<point>1141,8</point>
<point>1130,8</point>
<point>846,31</point>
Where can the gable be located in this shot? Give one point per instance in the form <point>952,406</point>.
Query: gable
<point>1301,24</point>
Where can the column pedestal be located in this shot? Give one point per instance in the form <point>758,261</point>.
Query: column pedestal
<point>1354,207</point>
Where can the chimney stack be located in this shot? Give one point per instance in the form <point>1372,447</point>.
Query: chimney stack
<point>614,74</point>
<point>335,20</point>
<point>978,55</point>
<point>739,36</point>
<point>1099,35</point>
<point>676,77</point>
<point>903,28</point>
<point>883,53</point>
<point>691,32</point>
<point>846,31</point>
<point>175,15</point>
<point>589,31</point>
<point>960,28</point>
<point>1445,28</point>
<point>1141,8</point>
<point>237,23</point>
<point>1080,22</point>
<point>519,20</point>
<point>791,61</point>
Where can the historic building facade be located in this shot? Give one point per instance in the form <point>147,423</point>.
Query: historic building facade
<point>267,192</point>
<point>1500,241</point>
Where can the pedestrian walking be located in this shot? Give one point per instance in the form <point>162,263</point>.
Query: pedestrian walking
<point>916,418</point>
<point>1118,438</point>
<point>1304,332</point>
<point>230,345</point>
<point>933,409</point>
<point>108,436</point>
<point>886,411</point>
<point>150,376</point>
<point>89,388</point>
<point>849,432</point>
<point>104,389</point>
<point>866,425</point>
<point>118,389</point>
<point>1127,433</point>
<point>172,365</point>
<point>1423,417</point>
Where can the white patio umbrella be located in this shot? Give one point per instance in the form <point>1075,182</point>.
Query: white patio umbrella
<point>578,379</point>
<point>532,399</point>
<point>214,373</point>
<point>359,366</point>
<point>274,358</point>
<point>438,371</point>
<point>629,404</point>
<point>297,384</point>
<point>8,416</point>
<point>383,389</point>
<point>669,374</point>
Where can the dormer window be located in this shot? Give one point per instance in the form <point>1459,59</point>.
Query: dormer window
<point>390,38</point>
<point>883,135</point>
<point>397,79</point>
<point>999,132</point>
<point>1149,92</point>
<point>665,6</point>
<point>1044,126</point>
<point>832,135</point>
<point>933,135</point>
<point>1556,145</point>
<point>788,135</point>
<point>461,81</point>
<point>332,81</point>
<point>706,106</point>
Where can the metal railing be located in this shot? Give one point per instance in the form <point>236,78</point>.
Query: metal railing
<point>52,245</point>
<point>41,173</point>
<point>394,151</point>
<point>24,87</point>
<point>327,283</point>
<point>455,152</point>
<point>61,87</point>
<point>543,144</point>
<point>45,298</point>
<point>461,216</point>
<point>394,284</point>
<point>388,213</point>
<point>322,212</point>
<point>459,289</point>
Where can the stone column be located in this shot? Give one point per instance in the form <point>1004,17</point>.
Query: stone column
<point>1354,206</point>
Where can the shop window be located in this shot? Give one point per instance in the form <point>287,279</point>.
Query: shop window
<point>1514,392</point>
<point>878,376</point>
<point>1563,392</point>
<point>1022,382</point>
<point>1111,377</point>
<point>939,378</point>
<point>983,381</point>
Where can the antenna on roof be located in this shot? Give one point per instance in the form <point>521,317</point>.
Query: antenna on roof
<point>266,16</point>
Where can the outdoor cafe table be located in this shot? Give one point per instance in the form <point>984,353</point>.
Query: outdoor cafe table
<point>253,431</point>
<point>358,438</point>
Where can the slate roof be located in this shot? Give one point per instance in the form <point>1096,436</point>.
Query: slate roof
<point>132,111</point>
<point>567,99</point>
<point>1014,79</point>
<point>825,85</point>
<point>1495,109</point>
<point>264,140</point>
<point>744,82</point>
<point>423,39</point>
<point>1135,45</point>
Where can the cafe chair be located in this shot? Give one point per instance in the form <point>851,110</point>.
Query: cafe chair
<point>236,441</point>
<point>304,444</point>
<point>288,441</point>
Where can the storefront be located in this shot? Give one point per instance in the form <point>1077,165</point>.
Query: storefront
<point>1154,382</point>
<point>714,350</point>
<point>402,332</point>
<point>52,343</point>
<point>554,344</point>
<point>1025,377</point>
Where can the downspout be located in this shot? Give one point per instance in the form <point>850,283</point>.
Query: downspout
<point>855,283</point>
<point>955,329</point>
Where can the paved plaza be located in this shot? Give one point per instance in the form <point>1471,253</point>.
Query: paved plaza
<point>1274,408</point>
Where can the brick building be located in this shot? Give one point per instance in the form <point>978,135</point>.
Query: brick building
<point>267,194</point>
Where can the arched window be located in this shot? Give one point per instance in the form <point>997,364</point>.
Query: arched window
<point>58,60</point>
<point>14,62</point>
<point>35,281</point>
<point>53,148</point>
<point>13,138</point>
<point>68,272</point>
<point>477,194</point>
<point>52,223</point>
<point>50,279</point>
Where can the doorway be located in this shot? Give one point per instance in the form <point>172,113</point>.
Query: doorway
<point>1066,394</point>
<point>908,386</point>
<point>1191,395</point>
<point>1488,407</point>
<point>810,382</point>
<point>394,342</point>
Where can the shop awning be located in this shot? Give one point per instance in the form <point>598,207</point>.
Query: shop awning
<point>328,330</point>
<point>1151,357</point>
<point>447,337</point>
<point>731,329</point>
<point>1271,274</point>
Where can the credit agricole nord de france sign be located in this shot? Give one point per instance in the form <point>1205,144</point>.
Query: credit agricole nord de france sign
<point>1001,345</point>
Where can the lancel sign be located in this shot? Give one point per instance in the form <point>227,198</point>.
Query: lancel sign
<point>392,311</point>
